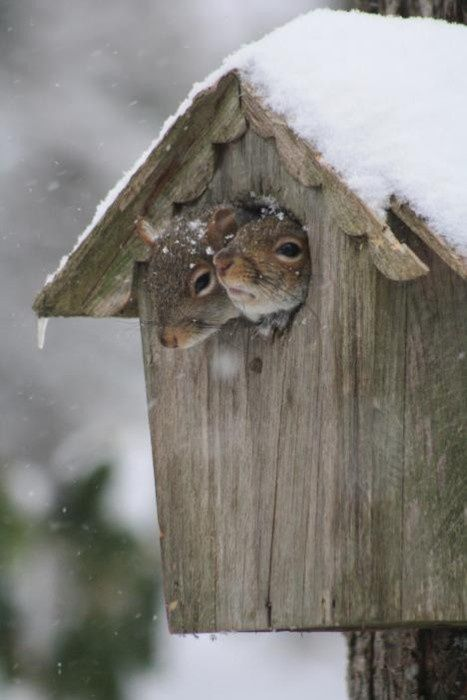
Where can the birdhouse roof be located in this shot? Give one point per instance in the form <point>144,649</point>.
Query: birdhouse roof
<point>371,108</point>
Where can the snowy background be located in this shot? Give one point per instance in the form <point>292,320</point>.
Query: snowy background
<point>86,85</point>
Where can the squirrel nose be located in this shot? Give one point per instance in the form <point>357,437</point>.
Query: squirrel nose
<point>169,338</point>
<point>222,263</point>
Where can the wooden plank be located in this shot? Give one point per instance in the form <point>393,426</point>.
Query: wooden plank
<point>97,278</point>
<point>335,502</point>
<point>245,471</point>
<point>209,489</point>
<point>437,243</point>
<point>394,259</point>
<point>184,480</point>
<point>435,447</point>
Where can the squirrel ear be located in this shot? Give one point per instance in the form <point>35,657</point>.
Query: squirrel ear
<point>222,225</point>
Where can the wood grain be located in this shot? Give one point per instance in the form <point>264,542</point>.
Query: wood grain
<point>435,437</point>
<point>314,481</point>
<point>98,277</point>
<point>440,246</point>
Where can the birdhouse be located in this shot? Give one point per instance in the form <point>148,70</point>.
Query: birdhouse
<point>313,480</point>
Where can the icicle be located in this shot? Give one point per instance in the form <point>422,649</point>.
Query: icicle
<point>41,328</point>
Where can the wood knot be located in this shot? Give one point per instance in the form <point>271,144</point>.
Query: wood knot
<point>256,365</point>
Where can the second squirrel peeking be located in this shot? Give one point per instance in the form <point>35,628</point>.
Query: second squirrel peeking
<point>224,264</point>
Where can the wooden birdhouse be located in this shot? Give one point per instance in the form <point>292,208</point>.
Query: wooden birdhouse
<point>312,481</point>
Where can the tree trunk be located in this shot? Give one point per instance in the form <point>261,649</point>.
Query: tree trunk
<point>415,664</point>
<point>451,10</point>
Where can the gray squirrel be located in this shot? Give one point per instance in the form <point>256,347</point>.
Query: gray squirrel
<point>265,270</point>
<point>205,270</point>
<point>189,302</point>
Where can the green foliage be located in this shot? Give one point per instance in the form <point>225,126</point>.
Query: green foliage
<point>13,533</point>
<point>108,577</point>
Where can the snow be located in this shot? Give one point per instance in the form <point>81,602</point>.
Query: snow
<point>226,364</point>
<point>113,193</point>
<point>104,205</point>
<point>384,99</point>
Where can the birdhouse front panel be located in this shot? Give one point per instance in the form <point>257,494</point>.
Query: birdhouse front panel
<point>302,479</point>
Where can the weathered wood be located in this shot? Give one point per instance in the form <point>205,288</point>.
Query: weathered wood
<point>287,471</point>
<point>97,279</point>
<point>435,437</point>
<point>328,475</point>
<point>442,248</point>
<point>395,260</point>
<point>184,478</point>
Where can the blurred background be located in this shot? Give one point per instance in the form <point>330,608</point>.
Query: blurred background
<point>85,86</point>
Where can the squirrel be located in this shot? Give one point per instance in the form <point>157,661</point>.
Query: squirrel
<point>265,270</point>
<point>206,270</point>
<point>190,302</point>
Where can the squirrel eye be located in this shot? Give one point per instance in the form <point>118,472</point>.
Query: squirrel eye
<point>202,283</point>
<point>289,250</point>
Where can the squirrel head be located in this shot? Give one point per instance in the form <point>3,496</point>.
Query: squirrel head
<point>265,269</point>
<point>189,302</point>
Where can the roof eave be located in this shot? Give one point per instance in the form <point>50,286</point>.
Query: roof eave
<point>97,278</point>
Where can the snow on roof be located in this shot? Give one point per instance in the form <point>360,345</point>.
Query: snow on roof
<point>384,99</point>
